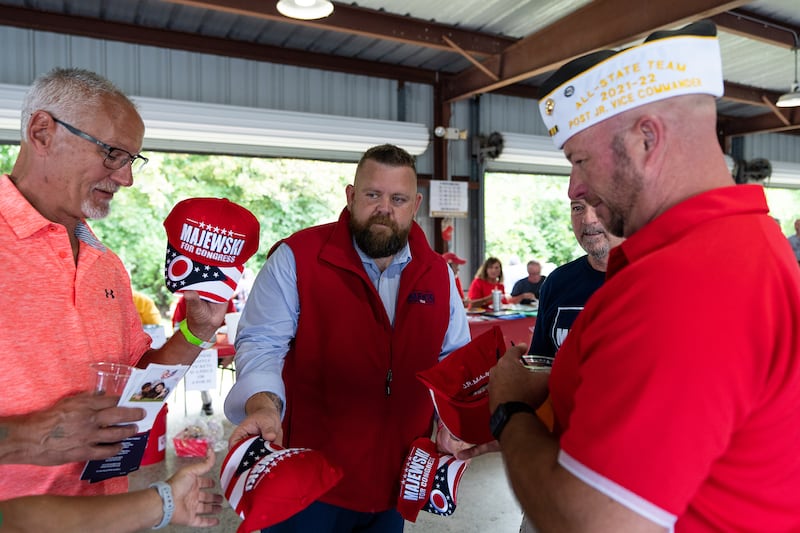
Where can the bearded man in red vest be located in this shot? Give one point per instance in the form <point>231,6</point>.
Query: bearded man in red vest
<point>339,321</point>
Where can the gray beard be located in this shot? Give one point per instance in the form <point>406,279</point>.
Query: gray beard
<point>95,212</point>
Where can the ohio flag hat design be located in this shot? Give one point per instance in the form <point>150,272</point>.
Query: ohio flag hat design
<point>208,242</point>
<point>430,481</point>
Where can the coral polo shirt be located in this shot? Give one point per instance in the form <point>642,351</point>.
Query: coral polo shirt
<point>63,318</point>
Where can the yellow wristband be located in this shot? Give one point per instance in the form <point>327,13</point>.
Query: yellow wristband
<point>192,338</point>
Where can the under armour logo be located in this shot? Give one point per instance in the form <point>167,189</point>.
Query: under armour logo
<point>110,293</point>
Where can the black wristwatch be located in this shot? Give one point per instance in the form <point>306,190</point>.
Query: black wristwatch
<point>503,413</point>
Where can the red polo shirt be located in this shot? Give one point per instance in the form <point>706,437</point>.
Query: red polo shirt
<point>677,390</point>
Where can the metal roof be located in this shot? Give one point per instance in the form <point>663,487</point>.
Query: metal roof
<point>465,48</point>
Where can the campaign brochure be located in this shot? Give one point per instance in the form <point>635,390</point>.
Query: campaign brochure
<point>147,388</point>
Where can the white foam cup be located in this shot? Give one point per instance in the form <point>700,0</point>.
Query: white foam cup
<point>231,324</point>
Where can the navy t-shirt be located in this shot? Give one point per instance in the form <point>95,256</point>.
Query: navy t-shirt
<point>561,298</point>
<point>522,286</point>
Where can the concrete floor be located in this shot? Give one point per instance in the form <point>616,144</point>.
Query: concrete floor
<point>485,502</point>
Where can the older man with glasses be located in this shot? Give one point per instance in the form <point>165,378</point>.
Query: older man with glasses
<point>116,158</point>
<point>80,142</point>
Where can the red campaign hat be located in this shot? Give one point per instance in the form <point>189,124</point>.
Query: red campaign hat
<point>459,386</point>
<point>450,257</point>
<point>447,233</point>
<point>208,242</point>
<point>266,484</point>
<point>430,481</point>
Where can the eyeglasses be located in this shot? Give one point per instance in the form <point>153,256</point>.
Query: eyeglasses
<point>116,158</point>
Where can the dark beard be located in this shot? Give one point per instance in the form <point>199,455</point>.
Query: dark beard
<point>374,245</point>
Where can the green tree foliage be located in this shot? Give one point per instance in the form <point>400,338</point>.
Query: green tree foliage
<point>8,154</point>
<point>527,217</point>
<point>784,205</point>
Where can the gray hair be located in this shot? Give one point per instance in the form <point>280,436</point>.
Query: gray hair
<point>66,93</point>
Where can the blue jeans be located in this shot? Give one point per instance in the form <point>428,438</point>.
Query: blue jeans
<point>325,518</point>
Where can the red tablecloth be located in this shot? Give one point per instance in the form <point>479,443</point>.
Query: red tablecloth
<point>516,330</point>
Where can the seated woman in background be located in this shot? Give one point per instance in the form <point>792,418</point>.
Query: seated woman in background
<point>488,278</point>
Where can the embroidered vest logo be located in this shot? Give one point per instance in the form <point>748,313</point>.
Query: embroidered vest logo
<point>421,297</point>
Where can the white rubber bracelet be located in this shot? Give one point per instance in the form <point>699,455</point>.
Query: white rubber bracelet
<point>165,491</point>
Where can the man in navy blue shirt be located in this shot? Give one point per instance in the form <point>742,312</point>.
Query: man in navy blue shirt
<point>531,284</point>
<point>569,286</point>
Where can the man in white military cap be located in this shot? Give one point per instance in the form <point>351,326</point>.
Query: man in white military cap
<point>676,406</point>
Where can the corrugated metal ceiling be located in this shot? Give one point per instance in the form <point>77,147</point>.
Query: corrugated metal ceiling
<point>437,41</point>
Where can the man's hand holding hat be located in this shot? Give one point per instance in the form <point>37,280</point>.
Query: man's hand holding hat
<point>208,242</point>
<point>266,484</point>
<point>203,317</point>
<point>458,387</point>
<point>429,481</point>
<point>263,419</point>
<point>448,443</point>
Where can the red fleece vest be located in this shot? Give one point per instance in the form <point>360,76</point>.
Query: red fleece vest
<point>336,370</point>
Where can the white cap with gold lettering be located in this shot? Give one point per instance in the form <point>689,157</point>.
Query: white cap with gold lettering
<point>603,84</point>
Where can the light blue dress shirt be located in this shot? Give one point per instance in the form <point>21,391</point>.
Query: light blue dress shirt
<point>269,322</point>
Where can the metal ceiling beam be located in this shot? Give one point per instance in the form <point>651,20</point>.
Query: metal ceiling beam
<point>355,20</point>
<point>745,94</point>
<point>766,123</point>
<point>130,33</point>
<point>579,33</point>
<point>94,28</point>
<point>753,26</point>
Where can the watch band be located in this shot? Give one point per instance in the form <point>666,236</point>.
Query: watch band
<point>168,504</point>
<point>192,338</point>
<point>503,413</point>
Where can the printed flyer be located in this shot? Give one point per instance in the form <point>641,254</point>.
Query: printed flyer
<point>147,388</point>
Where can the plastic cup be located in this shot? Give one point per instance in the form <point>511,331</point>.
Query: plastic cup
<point>110,378</point>
<point>232,324</point>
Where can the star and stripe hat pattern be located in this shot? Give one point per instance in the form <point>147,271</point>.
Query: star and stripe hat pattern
<point>208,242</point>
<point>266,484</point>
<point>429,482</point>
